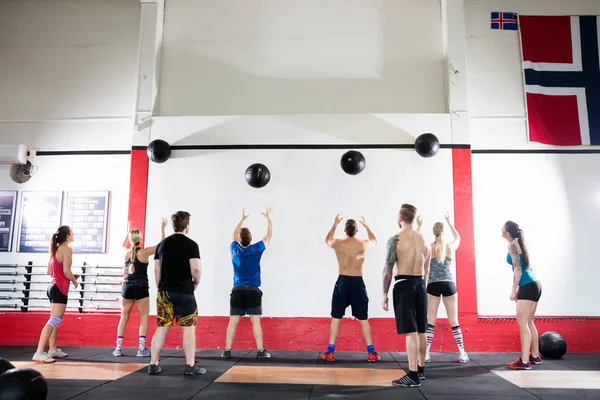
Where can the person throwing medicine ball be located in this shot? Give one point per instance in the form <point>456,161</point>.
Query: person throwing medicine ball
<point>177,269</point>
<point>246,297</point>
<point>350,288</point>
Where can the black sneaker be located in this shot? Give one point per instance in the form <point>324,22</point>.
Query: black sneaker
<point>194,370</point>
<point>405,381</point>
<point>226,354</point>
<point>262,354</point>
<point>154,369</point>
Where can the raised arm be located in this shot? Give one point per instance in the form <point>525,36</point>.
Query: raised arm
<point>195,265</point>
<point>372,241</point>
<point>456,242</point>
<point>126,243</point>
<point>419,223</point>
<point>238,227</point>
<point>516,262</point>
<point>148,251</point>
<point>329,238</point>
<point>267,238</point>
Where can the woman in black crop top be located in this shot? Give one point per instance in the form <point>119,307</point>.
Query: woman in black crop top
<point>135,287</point>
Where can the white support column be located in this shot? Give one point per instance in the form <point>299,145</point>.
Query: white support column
<point>455,49</point>
<point>148,70</point>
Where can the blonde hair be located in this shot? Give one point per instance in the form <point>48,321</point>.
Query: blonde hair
<point>135,237</point>
<point>438,250</point>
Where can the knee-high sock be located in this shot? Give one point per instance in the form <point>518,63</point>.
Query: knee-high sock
<point>430,332</point>
<point>458,337</point>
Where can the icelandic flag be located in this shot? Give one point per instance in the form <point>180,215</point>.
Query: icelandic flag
<point>561,65</point>
<point>504,20</point>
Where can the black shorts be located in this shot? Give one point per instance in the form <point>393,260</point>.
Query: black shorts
<point>350,291</point>
<point>134,292</point>
<point>410,304</point>
<point>245,299</point>
<point>531,291</point>
<point>180,307</point>
<point>55,295</point>
<point>445,288</point>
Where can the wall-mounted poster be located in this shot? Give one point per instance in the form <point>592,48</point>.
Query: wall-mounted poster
<point>41,214</point>
<point>8,205</point>
<point>87,215</point>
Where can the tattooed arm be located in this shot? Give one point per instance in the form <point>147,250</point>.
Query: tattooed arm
<point>517,272</point>
<point>388,269</point>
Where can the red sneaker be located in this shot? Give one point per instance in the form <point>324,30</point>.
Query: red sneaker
<point>374,357</point>
<point>328,357</point>
<point>519,364</point>
<point>535,360</point>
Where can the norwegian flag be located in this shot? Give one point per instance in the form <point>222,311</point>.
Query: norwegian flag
<point>561,65</point>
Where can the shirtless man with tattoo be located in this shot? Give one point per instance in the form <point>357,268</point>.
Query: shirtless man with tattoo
<point>350,288</point>
<point>407,259</point>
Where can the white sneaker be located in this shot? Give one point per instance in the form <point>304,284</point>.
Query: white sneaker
<point>58,353</point>
<point>427,357</point>
<point>463,358</point>
<point>42,356</point>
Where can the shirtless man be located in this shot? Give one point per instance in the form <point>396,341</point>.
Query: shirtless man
<point>408,257</point>
<point>350,287</point>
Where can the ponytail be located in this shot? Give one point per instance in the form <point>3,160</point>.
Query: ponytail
<point>438,250</point>
<point>133,257</point>
<point>59,237</point>
<point>517,233</point>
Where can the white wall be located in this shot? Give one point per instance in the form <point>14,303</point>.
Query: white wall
<point>554,197</point>
<point>67,58</point>
<point>235,57</point>
<point>307,189</point>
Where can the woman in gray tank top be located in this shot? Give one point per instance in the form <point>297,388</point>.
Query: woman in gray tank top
<point>440,285</point>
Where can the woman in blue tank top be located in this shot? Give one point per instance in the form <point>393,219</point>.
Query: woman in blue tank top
<point>526,291</point>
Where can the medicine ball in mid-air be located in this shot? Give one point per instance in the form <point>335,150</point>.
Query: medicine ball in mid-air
<point>159,151</point>
<point>23,384</point>
<point>353,162</point>
<point>258,175</point>
<point>427,145</point>
<point>552,345</point>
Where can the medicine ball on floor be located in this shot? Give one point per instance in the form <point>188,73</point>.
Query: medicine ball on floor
<point>159,151</point>
<point>5,365</point>
<point>427,145</point>
<point>258,175</point>
<point>353,162</point>
<point>552,345</point>
<point>23,384</point>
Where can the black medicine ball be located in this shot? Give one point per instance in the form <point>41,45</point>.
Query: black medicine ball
<point>353,162</point>
<point>159,151</point>
<point>427,145</point>
<point>23,384</point>
<point>258,175</point>
<point>552,345</point>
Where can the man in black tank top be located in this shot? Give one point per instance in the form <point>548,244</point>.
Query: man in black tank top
<point>177,270</point>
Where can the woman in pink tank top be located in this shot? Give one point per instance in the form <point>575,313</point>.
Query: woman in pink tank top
<point>59,268</point>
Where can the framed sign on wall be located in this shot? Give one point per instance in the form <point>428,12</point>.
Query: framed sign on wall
<point>41,213</point>
<point>8,207</point>
<point>87,215</point>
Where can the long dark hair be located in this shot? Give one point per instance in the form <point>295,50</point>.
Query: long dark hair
<point>517,233</point>
<point>61,236</point>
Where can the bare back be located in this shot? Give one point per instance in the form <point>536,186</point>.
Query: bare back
<point>412,254</point>
<point>350,253</point>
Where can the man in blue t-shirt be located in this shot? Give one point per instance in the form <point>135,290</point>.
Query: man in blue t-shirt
<point>246,297</point>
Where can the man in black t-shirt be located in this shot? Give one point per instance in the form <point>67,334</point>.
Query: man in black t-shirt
<point>177,270</point>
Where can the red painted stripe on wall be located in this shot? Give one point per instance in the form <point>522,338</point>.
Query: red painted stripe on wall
<point>293,334</point>
<point>466,282</point>
<point>138,189</point>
